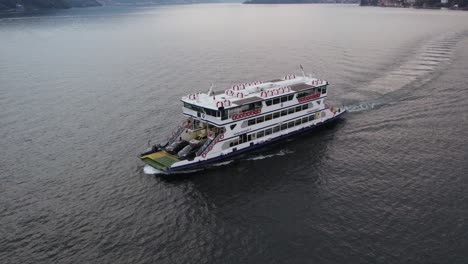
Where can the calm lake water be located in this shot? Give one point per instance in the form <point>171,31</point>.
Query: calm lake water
<point>83,90</point>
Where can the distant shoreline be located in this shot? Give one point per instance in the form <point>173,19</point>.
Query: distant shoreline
<point>418,4</point>
<point>272,2</point>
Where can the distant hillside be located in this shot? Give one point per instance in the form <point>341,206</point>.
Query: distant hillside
<point>46,4</point>
<point>61,4</point>
<point>300,1</point>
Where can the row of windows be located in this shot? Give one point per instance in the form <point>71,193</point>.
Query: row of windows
<point>201,110</point>
<point>285,126</point>
<point>245,108</point>
<point>318,90</point>
<point>285,112</point>
<point>245,138</point>
<point>279,100</point>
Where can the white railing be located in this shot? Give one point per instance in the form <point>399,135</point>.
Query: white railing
<point>204,146</point>
<point>176,134</point>
<point>208,144</point>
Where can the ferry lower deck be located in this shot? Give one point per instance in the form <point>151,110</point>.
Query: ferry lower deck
<point>236,152</point>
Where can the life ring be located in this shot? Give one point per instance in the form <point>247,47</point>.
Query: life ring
<point>204,155</point>
<point>221,136</point>
<point>219,104</point>
<point>210,148</point>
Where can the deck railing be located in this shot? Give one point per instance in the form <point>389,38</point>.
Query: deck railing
<point>176,133</point>
<point>209,143</point>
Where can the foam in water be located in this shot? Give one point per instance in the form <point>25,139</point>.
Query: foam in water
<point>364,106</point>
<point>222,163</point>
<point>150,170</point>
<point>280,153</point>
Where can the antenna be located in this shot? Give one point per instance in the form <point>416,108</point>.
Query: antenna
<point>302,70</point>
<point>210,91</point>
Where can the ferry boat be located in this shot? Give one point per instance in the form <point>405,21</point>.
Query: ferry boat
<point>218,126</point>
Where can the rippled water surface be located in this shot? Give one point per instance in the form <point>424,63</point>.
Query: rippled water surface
<point>83,90</point>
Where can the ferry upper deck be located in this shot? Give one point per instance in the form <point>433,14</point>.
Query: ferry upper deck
<point>248,99</point>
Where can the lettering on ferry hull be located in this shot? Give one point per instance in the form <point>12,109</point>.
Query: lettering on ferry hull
<point>246,114</point>
<point>308,98</point>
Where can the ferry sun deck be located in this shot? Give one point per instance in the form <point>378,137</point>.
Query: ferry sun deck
<point>246,116</point>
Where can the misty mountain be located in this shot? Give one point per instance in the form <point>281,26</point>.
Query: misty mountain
<point>46,4</point>
<point>62,4</point>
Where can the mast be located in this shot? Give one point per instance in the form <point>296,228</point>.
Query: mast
<point>302,70</point>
